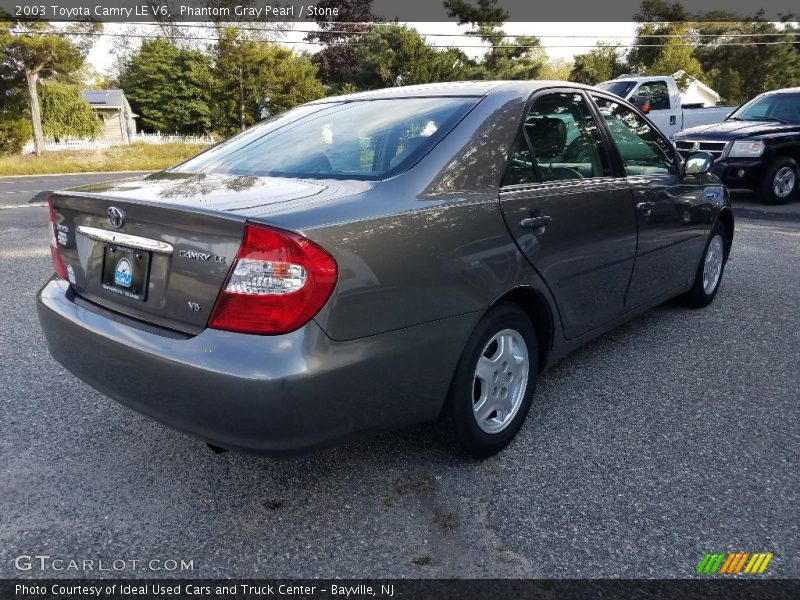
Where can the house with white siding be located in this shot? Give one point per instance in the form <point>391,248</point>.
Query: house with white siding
<point>112,108</point>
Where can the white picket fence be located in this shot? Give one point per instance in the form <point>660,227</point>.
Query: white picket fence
<point>147,138</point>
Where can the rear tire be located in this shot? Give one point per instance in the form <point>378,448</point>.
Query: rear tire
<point>780,181</point>
<point>493,385</point>
<point>709,272</point>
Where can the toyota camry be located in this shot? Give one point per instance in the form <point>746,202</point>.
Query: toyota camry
<point>365,262</point>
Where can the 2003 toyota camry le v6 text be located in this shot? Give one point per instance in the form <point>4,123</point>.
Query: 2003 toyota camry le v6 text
<point>370,261</point>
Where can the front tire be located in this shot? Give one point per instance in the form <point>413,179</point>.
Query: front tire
<point>709,272</point>
<point>493,386</point>
<point>780,181</point>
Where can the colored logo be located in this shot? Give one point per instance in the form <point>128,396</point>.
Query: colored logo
<point>733,563</point>
<point>123,274</point>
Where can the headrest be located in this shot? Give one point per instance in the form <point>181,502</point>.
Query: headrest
<point>548,136</point>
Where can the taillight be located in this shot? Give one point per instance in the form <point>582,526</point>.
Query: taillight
<point>55,253</point>
<point>278,282</point>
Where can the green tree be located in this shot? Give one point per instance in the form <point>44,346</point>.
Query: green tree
<point>15,125</point>
<point>599,64</point>
<point>518,58</point>
<point>169,87</point>
<point>65,113</point>
<point>677,55</point>
<point>254,77</point>
<point>485,17</point>
<point>340,37</point>
<point>658,21</point>
<point>37,50</point>
<point>719,52</point>
<point>742,71</point>
<point>398,55</point>
<point>557,69</point>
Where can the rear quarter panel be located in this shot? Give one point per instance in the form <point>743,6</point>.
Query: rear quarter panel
<point>429,243</point>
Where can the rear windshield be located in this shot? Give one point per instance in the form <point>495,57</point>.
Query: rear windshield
<point>618,88</point>
<point>354,140</point>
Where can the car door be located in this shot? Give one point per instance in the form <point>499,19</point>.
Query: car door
<point>664,113</point>
<point>671,210</point>
<point>570,216</point>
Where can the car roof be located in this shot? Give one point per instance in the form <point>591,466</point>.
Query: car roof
<point>793,90</point>
<point>452,89</point>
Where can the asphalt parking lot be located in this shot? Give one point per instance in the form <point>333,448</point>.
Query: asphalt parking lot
<point>675,435</point>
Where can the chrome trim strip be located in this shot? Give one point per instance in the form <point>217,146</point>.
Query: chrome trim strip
<point>125,239</point>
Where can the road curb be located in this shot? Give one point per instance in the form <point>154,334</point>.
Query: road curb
<point>5,177</point>
<point>765,215</point>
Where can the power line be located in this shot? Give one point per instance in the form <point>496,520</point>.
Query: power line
<point>445,46</point>
<point>344,32</point>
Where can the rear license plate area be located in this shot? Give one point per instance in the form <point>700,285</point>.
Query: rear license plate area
<point>125,271</point>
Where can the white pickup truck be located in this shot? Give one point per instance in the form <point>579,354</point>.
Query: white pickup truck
<point>660,99</point>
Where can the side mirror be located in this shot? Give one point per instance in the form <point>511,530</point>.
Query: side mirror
<point>642,103</point>
<point>698,162</point>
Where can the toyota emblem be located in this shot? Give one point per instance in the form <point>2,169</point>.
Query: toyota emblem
<point>116,218</point>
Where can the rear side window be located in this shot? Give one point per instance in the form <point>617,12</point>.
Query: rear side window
<point>641,147</point>
<point>353,140</point>
<point>563,142</point>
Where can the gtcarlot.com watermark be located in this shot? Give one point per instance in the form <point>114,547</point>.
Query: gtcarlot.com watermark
<point>47,563</point>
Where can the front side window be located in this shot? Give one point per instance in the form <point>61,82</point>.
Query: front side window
<point>657,92</point>
<point>564,140</point>
<point>641,147</point>
<point>369,139</point>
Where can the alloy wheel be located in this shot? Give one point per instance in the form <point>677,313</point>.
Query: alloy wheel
<point>712,265</point>
<point>501,377</point>
<point>783,182</point>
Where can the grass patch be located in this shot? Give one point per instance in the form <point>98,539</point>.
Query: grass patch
<point>446,520</point>
<point>136,157</point>
<point>421,484</point>
<point>421,560</point>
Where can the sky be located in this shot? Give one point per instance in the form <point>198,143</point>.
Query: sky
<point>561,40</point>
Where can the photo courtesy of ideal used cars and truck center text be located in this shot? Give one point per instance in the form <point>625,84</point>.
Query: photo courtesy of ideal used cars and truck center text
<point>365,299</point>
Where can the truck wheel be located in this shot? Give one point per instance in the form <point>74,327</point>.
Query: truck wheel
<point>780,181</point>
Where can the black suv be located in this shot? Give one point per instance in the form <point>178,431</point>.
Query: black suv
<point>757,147</point>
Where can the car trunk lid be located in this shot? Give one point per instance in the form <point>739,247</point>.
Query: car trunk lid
<point>154,262</point>
<point>188,228</point>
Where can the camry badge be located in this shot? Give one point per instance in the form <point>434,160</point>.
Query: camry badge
<point>116,218</point>
<point>122,274</point>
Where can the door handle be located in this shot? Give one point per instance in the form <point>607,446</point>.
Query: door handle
<point>646,207</point>
<point>535,222</point>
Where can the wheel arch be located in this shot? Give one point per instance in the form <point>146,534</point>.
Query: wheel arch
<point>786,151</point>
<point>534,304</point>
<point>725,218</point>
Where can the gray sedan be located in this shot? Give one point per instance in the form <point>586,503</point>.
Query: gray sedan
<point>366,262</point>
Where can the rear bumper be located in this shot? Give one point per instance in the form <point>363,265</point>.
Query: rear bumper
<point>740,173</point>
<point>259,394</point>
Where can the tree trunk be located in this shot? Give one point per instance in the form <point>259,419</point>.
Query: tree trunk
<point>32,77</point>
<point>241,100</point>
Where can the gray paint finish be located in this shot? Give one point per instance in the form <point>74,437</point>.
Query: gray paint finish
<point>421,256</point>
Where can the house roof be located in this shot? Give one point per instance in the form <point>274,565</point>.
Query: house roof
<point>105,98</point>
<point>700,84</point>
